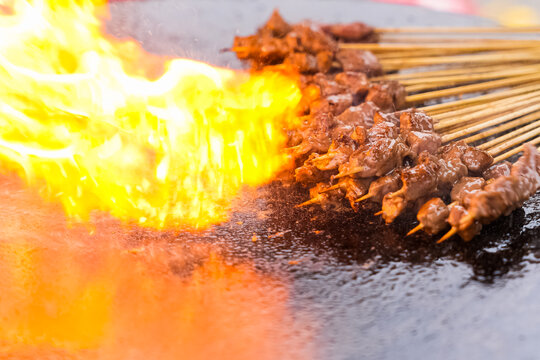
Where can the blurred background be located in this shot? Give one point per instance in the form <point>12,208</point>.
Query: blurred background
<point>505,12</point>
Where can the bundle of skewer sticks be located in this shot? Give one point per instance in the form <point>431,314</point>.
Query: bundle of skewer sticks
<point>486,90</point>
<point>498,69</point>
<point>432,63</point>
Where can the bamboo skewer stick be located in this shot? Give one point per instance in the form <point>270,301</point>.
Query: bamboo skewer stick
<point>515,151</point>
<point>477,46</point>
<point>455,30</point>
<point>467,77</point>
<point>510,125</point>
<point>502,138</point>
<point>496,121</point>
<point>516,141</point>
<point>488,85</point>
<point>480,99</point>
<point>432,73</point>
<point>487,111</point>
<point>424,39</point>
<point>464,127</point>
<point>433,83</point>
<point>474,108</point>
<point>493,57</point>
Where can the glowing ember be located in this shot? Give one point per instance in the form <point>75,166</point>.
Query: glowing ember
<point>82,118</point>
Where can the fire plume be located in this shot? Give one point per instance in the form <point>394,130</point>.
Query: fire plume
<point>84,118</point>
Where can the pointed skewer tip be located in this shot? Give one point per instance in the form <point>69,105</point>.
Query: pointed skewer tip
<point>448,235</point>
<point>306,203</point>
<point>365,197</point>
<point>379,213</point>
<point>416,229</point>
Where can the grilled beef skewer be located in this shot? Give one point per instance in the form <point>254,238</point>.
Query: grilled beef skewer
<point>434,174</point>
<point>500,197</point>
<point>308,47</point>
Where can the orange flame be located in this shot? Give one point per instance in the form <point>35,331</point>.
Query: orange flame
<point>124,294</point>
<point>82,118</point>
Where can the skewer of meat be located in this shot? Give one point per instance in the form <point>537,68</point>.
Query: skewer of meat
<point>500,197</point>
<point>416,134</point>
<point>433,215</point>
<point>380,150</point>
<point>434,174</point>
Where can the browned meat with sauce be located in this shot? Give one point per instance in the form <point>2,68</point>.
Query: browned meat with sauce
<point>432,215</point>
<point>308,173</point>
<point>465,187</point>
<point>359,61</point>
<point>384,185</point>
<point>328,85</point>
<point>325,61</point>
<point>388,95</point>
<point>303,62</point>
<point>414,120</point>
<point>354,189</point>
<point>338,153</point>
<point>503,195</point>
<point>335,104</point>
<point>497,170</point>
<point>476,160</point>
<point>356,82</point>
<point>420,141</point>
<point>275,26</point>
<point>389,117</point>
<point>352,118</point>
<point>353,32</point>
<point>457,213</point>
<point>339,103</point>
<point>312,39</point>
<point>327,200</point>
<point>383,130</point>
<point>418,181</point>
<point>379,158</point>
<point>450,172</point>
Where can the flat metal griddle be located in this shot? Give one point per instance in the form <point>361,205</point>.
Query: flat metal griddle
<point>376,293</point>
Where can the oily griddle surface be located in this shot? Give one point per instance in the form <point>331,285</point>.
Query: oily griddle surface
<point>373,292</point>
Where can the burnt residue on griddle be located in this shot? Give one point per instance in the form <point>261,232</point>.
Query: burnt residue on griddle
<point>268,230</point>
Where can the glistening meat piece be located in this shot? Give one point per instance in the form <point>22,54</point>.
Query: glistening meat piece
<point>427,141</point>
<point>503,195</point>
<point>354,116</point>
<point>388,95</point>
<point>326,199</point>
<point>328,85</point>
<point>384,185</point>
<point>476,160</point>
<point>465,187</point>
<point>418,181</point>
<point>359,61</point>
<point>276,26</point>
<point>433,215</point>
<point>356,82</point>
<point>338,153</point>
<point>354,189</point>
<point>501,169</point>
<point>334,104</point>
<point>376,159</point>
<point>308,173</point>
<point>353,32</point>
<point>417,128</point>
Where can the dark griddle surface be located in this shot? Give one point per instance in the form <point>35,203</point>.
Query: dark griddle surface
<point>374,293</point>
